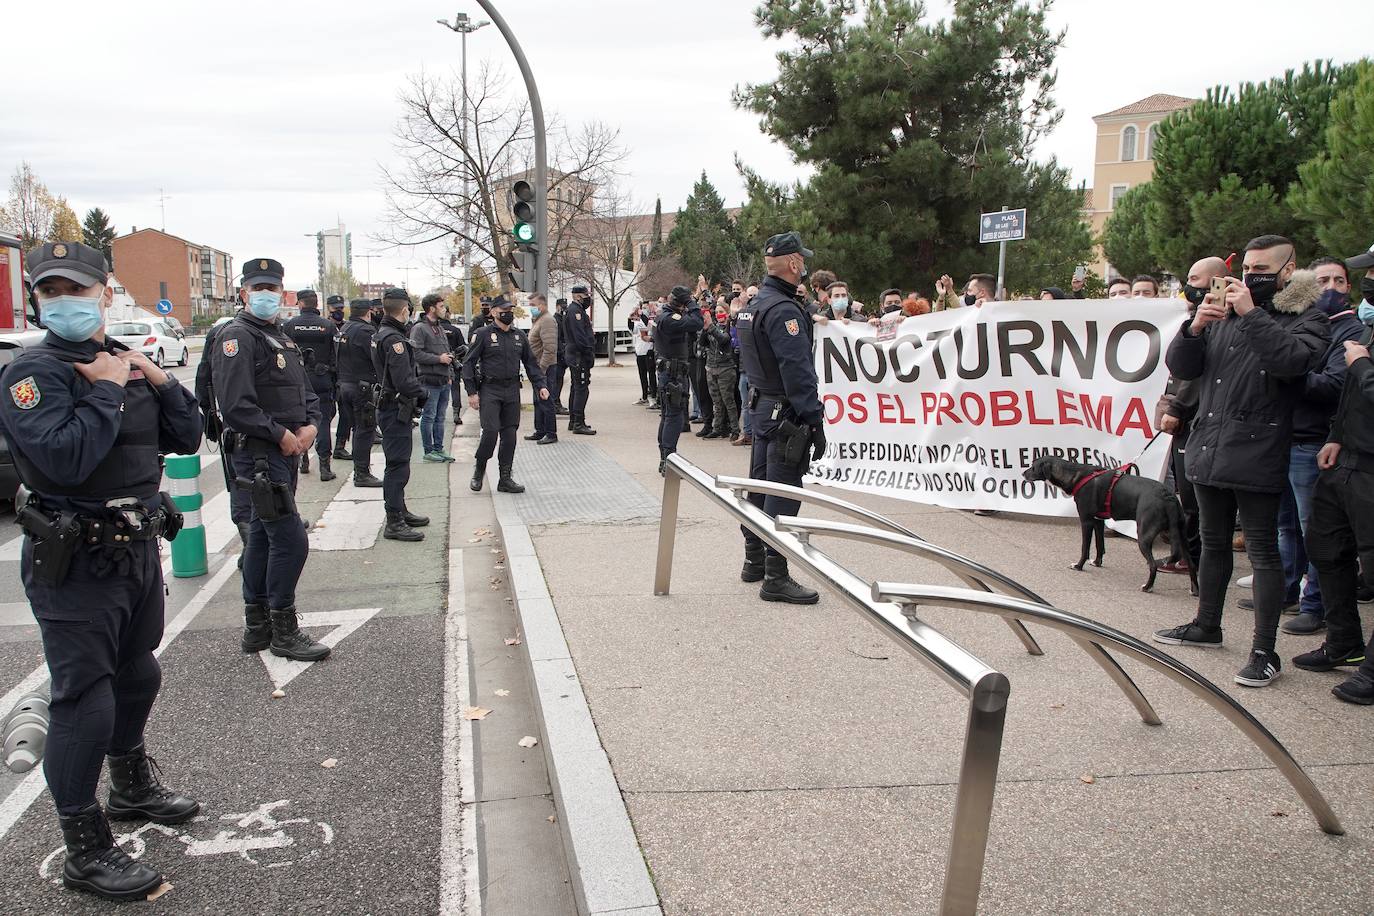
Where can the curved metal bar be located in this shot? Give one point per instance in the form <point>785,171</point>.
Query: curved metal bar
<point>844,507</point>
<point>949,560</point>
<point>1167,665</point>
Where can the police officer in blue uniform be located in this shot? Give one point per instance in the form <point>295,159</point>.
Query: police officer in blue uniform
<point>496,353</point>
<point>580,355</point>
<point>336,310</point>
<point>240,506</point>
<point>265,399</point>
<point>357,381</point>
<point>87,420</point>
<point>315,337</point>
<point>788,421</point>
<point>399,404</point>
<point>678,326</point>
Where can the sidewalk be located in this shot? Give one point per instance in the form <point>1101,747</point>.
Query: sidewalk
<point>778,759</point>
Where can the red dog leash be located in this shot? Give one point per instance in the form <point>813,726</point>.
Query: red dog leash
<point>1111,486</point>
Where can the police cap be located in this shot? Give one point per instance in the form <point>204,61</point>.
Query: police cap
<point>359,305</point>
<point>681,295</point>
<point>784,244</point>
<point>334,300</point>
<point>396,293</point>
<point>307,296</point>
<point>499,302</point>
<point>579,288</point>
<point>262,270</point>
<point>72,260</point>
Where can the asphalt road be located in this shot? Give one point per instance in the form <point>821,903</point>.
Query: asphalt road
<point>365,789</point>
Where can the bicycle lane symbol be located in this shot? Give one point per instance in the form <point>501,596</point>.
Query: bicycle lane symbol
<point>257,836</point>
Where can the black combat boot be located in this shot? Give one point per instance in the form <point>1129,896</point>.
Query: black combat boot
<point>413,520</point>
<point>779,586</point>
<point>753,563</point>
<point>507,483</point>
<point>95,864</point>
<point>305,463</point>
<point>137,794</point>
<point>397,530</point>
<point>243,540</point>
<point>342,454</point>
<point>326,472</point>
<point>364,479</point>
<point>582,429</point>
<point>257,628</point>
<point>479,474</point>
<point>289,642</point>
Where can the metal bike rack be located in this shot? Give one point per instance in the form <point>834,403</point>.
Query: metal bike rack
<point>892,608</point>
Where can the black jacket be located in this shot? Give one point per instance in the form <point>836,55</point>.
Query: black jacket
<point>1251,372</point>
<point>1321,394</point>
<point>720,352</point>
<point>1353,428</point>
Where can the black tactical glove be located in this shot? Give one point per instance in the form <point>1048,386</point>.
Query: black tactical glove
<point>818,441</point>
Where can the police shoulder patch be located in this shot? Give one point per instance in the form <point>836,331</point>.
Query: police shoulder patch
<point>25,393</point>
<point>399,347</point>
<point>231,347</point>
<point>793,327</point>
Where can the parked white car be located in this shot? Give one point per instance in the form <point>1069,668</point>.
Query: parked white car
<point>158,340</point>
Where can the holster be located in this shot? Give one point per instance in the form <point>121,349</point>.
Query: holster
<point>173,520</point>
<point>367,408</point>
<point>794,440</point>
<point>55,539</point>
<point>271,500</point>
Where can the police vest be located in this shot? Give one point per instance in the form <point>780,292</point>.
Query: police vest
<point>279,378</point>
<point>355,353</point>
<point>755,350</point>
<point>671,340</point>
<point>132,466</point>
<point>314,333</point>
<point>386,337</point>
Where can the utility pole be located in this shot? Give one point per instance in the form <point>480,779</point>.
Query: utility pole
<point>541,151</point>
<point>162,201</point>
<point>406,270</point>
<point>1002,267</point>
<point>464,26</point>
<point>369,258</point>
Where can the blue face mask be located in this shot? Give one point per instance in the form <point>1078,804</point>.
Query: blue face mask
<point>264,304</point>
<point>1333,302</point>
<point>1366,313</point>
<point>73,318</point>
<point>535,311</point>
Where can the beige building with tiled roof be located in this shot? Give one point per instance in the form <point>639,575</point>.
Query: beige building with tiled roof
<point>1125,156</point>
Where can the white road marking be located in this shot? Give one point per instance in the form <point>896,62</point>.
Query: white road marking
<point>348,525</point>
<point>285,670</point>
<point>459,887</point>
<point>32,786</point>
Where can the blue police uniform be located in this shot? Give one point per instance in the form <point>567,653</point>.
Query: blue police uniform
<point>316,337</point>
<point>678,327</point>
<point>581,355</point>
<point>90,452</point>
<point>775,351</point>
<point>263,392</point>
<point>496,354</point>
<point>357,375</point>
<point>401,399</point>
<point>240,506</point>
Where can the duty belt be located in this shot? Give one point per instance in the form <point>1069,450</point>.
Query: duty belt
<point>115,532</point>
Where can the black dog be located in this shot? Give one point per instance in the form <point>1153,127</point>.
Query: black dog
<point>1103,493</point>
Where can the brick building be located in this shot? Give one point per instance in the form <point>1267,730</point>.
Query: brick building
<point>154,265</point>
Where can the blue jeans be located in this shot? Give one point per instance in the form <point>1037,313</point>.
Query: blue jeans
<point>432,419</point>
<point>745,413</point>
<point>1302,478</point>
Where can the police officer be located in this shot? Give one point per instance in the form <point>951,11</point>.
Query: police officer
<point>775,350</point>
<point>265,398</point>
<point>401,400</point>
<point>678,325</point>
<point>87,420</point>
<point>560,368</point>
<point>481,319</point>
<point>357,376</point>
<point>458,346</point>
<point>240,504</point>
<point>315,337</point>
<point>497,353</point>
<point>336,310</point>
<point>580,354</point>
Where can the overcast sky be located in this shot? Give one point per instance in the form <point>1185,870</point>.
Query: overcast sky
<point>267,121</point>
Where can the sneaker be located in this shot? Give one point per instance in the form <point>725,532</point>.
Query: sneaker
<point>1323,658</point>
<point>1364,594</point>
<point>1248,604</point>
<point>1246,582</point>
<point>1263,669</point>
<point>445,456</point>
<point>641,402</point>
<point>1179,568</point>
<point>1305,624</point>
<point>1190,634</point>
<point>1358,689</point>
<point>433,456</point>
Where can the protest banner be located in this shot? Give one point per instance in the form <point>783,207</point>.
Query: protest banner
<point>952,409</point>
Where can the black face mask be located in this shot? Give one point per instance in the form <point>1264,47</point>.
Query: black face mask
<point>970,298</point>
<point>1367,289</point>
<point>1194,294</point>
<point>505,317</point>
<point>1262,288</point>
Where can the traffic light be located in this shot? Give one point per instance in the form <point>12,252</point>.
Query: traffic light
<point>523,274</point>
<point>522,208</point>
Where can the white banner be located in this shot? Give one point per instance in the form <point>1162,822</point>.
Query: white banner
<point>954,406</point>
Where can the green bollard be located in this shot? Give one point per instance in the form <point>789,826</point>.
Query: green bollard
<point>189,557</point>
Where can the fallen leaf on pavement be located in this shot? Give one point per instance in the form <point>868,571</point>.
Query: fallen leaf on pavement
<point>162,889</point>
<point>278,694</point>
<point>1056,706</point>
<point>513,640</point>
<point>528,741</point>
<point>1087,779</point>
<point>1278,814</point>
<point>475,713</point>
<point>552,819</point>
<point>474,540</point>
<point>330,764</point>
<point>502,692</point>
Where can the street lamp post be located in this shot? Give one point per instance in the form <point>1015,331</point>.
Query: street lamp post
<point>369,258</point>
<point>464,26</point>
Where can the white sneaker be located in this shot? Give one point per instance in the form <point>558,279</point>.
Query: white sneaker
<point>1246,582</point>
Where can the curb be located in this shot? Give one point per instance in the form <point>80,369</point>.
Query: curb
<point>605,864</point>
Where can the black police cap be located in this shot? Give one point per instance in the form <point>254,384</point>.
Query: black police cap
<point>71,260</point>
<point>334,300</point>
<point>681,295</point>
<point>499,302</point>
<point>359,305</point>
<point>784,244</point>
<point>579,288</point>
<point>307,294</point>
<point>396,293</point>
<point>262,270</point>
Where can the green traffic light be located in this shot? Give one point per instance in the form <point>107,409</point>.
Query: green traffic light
<point>523,232</point>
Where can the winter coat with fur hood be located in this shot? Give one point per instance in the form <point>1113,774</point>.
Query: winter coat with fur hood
<point>1251,372</point>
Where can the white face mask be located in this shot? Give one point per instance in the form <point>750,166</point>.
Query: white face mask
<point>840,303</point>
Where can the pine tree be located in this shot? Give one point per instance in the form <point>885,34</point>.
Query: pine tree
<point>97,232</point>
<point>1335,189</point>
<point>656,239</point>
<point>704,238</point>
<point>1125,240</point>
<point>627,261</point>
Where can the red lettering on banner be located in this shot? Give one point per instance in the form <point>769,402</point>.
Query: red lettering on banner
<point>928,401</point>
<point>1135,418</point>
<point>1030,412</point>
<point>1066,405</point>
<point>947,408</point>
<point>1101,417</point>
<point>885,406</point>
<point>858,411</point>
<point>969,397</point>
<point>833,400</point>
<point>1005,411</point>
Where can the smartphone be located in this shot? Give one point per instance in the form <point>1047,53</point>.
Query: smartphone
<point>1080,272</point>
<point>1219,291</point>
